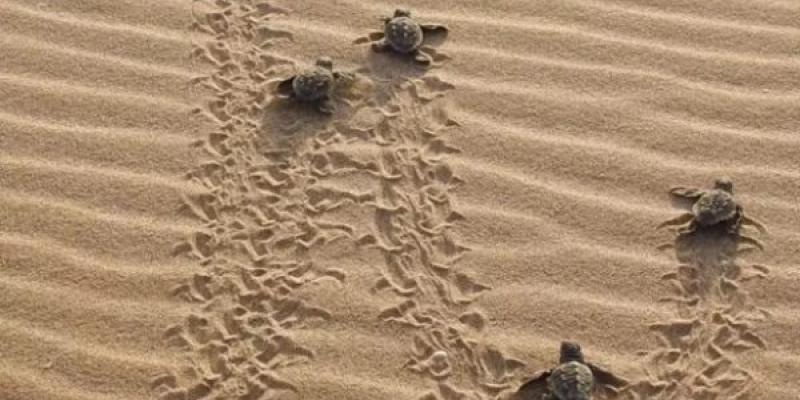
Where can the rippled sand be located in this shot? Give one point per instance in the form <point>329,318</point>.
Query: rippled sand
<point>167,232</point>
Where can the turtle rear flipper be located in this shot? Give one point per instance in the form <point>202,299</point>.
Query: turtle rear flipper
<point>687,193</point>
<point>326,106</point>
<point>423,58</point>
<point>745,220</point>
<point>534,389</point>
<point>604,377</point>
<point>438,57</point>
<point>381,46</point>
<point>752,241</point>
<point>682,219</point>
<point>372,37</point>
<point>285,88</point>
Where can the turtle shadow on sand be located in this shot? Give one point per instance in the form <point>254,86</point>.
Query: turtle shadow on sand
<point>709,240</point>
<point>712,232</point>
<point>391,68</point>
<point>706,246</point>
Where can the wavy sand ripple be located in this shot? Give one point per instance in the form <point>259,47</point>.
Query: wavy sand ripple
<point>169,230</point>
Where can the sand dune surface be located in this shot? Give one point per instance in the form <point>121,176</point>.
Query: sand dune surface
<point>171,228</point>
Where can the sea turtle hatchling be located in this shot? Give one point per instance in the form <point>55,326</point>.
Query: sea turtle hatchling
<point>314,85</point>
<point>403,35</point>
<point>573,379</point>
<point>711,208</point>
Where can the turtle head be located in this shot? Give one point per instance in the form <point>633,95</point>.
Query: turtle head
<point>325,62</point>
<point>724,183</point>
<point>570,351</point>
<point>402,12</point>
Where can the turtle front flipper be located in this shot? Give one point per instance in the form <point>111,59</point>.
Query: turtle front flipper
<point>682,219</point>
<point>372,37</point>
<point>286,89</point>
<point>735,224</point>
<point>340,76</point>
<point>433,29</point>
<point>534,389</point>
<point>604,377</point>
<point>433,34</point>
<point>687,193</point>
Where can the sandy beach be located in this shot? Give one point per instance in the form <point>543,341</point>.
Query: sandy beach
<point>170,229</point>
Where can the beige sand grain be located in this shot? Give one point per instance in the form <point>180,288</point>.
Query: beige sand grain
<point>576,118</point>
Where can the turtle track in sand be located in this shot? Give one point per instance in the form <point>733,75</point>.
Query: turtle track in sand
<point>700,350</point>
<point>264,225</point>
<point>266,228</point>
<point>413,235</point>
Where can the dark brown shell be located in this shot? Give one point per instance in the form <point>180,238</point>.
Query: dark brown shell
<point>403,34</point>
<point>571,381</point>
<point>313,84</point>
<point>714,207</point>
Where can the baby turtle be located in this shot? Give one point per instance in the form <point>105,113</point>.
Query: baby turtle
<point>711,208</point>
<point>572,379</point>
<point>404,35</point>
<point>314,85</point>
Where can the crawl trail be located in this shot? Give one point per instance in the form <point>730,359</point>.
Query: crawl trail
<point>413,233</point>
<point>265,220</point>
<point>714,323</point>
